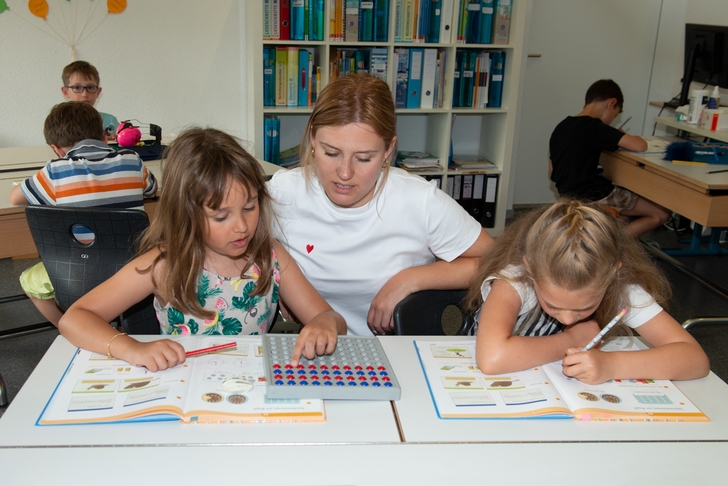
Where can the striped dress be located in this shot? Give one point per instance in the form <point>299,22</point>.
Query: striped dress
<point>92,175</point>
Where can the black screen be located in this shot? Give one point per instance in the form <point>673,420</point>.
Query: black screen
<point>709,46</point>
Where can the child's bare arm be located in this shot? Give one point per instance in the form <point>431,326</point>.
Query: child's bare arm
<point>633,142</point>
<point>17,197</point>
<point>321,324</point>
<point>498,351</point>
<point>86,322</point>
<point>675,355</point>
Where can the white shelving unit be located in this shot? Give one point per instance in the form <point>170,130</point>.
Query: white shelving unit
<point>671,121</point>
<point>487,132</point>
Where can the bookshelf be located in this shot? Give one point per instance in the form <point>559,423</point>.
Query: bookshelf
<point>488,132</point>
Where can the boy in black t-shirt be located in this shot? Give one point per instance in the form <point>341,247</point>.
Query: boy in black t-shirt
<point>575,146</point>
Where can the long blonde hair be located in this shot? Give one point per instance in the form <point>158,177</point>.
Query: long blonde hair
<point>358,98</point>
<point>573,245</point>
<point>199,167</point>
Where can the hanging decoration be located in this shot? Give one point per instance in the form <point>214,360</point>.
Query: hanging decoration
<point>115,6</point>
<point>39,8</point>
<point>69,21</point>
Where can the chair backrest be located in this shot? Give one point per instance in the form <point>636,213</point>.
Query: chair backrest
<point>432,313</point>
<point>83,247</point>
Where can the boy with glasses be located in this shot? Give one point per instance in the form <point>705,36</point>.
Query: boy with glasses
<point>81,83</point>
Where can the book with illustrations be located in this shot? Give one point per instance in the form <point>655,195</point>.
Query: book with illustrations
<point>460,391</point>
<point>224,386</point>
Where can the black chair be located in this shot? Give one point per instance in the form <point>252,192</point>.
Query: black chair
<point>83,247</point>
<point>433,313</point>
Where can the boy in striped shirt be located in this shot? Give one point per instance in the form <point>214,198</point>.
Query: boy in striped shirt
<point>88,173</point>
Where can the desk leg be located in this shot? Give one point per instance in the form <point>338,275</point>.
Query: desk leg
<point>696,241</point>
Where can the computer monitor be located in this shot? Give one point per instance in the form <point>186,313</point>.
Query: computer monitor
<point>706,57</point>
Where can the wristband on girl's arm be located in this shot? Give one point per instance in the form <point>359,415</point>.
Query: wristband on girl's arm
<point>108,345</point>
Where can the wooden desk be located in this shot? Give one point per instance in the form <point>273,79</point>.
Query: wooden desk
<point>671,121</point>
<point>361,444</point>
<point>685,189</point>
<point>19,163</point>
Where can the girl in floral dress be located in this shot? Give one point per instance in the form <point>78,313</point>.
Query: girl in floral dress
<point>210,261</point>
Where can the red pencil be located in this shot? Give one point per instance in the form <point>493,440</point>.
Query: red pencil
<point>211,349</point>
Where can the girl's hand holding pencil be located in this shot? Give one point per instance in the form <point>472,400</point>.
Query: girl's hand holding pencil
<point>590,367</point>
<point>154,355</point>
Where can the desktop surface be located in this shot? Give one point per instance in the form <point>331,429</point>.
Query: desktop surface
<point>361,443</point>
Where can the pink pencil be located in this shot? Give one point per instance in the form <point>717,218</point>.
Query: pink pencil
<point>211,349</point>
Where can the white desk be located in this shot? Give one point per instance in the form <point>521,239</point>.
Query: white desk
<point>360,444</point>
<point>578,444</point>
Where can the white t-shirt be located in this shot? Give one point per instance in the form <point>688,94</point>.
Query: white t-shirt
<point>348,254</point>
<point>642,306</point>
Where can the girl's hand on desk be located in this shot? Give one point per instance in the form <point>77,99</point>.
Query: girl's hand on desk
<point>591,367</point>
<point>316,338</point>
<point>154,356</point>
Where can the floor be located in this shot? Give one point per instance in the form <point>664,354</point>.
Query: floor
<point>691,298</point>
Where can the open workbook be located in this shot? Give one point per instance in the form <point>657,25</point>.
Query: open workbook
<point>460,391</point>
<point>225,386</point>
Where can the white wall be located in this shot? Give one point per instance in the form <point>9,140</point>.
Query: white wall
<point>181,62</point>
<point>174,63</point>
<point>609,38</point>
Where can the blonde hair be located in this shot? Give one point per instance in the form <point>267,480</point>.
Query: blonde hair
<point>573,245</point>
<point>199,168</point>
<point>358,98</point>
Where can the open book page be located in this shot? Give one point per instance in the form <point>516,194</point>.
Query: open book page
<point>95,389</point>
<point>460,390</point>
<point>655,146</point>
<point>211,399</point>
<point>629,400</point>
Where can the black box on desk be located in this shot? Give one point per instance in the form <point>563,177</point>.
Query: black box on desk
<point>477,193</point>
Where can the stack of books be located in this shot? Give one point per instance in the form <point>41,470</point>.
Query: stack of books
<point>290,158</point>
<point>417,161</point>
<point>372,60</point>
<point>460,162</point>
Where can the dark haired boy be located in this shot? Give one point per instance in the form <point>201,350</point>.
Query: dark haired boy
<point>575,147</point>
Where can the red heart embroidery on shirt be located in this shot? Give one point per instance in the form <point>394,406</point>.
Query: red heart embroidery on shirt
<point>309,248</point>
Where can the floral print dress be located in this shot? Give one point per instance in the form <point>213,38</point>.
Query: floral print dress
<point>237,311</point>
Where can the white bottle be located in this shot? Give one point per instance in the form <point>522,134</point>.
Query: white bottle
<point>714,100</point>
<point>698,99</point>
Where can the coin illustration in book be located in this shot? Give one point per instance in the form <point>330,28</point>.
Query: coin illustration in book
<point>588,396</point>
<point>611,398</point>
<point>212,397</point>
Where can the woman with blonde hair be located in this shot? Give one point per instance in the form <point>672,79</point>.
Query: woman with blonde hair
<point>366,234</point>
